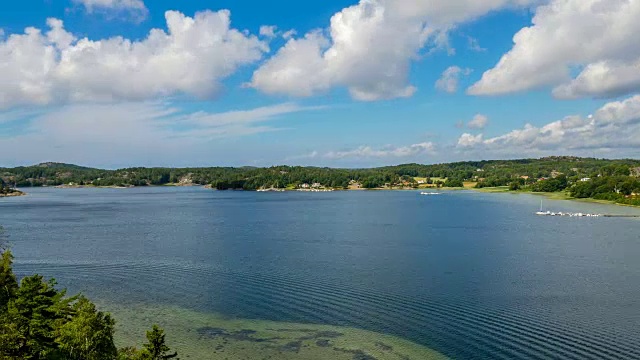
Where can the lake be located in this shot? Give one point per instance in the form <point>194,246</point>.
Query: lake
<point>467,274</point>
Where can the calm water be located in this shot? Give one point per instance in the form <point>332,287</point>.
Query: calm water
<point>471,275</point>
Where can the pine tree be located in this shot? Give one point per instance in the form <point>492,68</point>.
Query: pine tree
<point>88,335</point>
<point>156,348</point>
<point>8,282</point>
<point>27,329</point>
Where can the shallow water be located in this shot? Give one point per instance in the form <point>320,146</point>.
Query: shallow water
<point>467,274</point>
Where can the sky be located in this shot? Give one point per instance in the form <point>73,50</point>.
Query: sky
<point>119,83</point>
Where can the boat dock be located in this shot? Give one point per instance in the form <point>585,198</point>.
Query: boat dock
<point>570,214</point>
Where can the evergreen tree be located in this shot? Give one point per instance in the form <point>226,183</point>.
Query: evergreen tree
<point>88,335</point>
<point>27,329</point>
<point>156,348</point>
<point>8,282</point>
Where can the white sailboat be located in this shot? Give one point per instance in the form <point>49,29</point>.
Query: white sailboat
<point>542,212</point>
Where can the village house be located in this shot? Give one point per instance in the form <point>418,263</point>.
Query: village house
<point>305,186</point>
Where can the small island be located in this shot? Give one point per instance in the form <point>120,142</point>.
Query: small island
<point>7,191</point>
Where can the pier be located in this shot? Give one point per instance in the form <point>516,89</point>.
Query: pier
<point>579,214</point>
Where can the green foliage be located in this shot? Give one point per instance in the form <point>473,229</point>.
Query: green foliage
<point>551,185</point>
<point>8,282</point>
<point>128,353</point>
<point>454,183</point>
<point>562,173</point>
<point>88,335</point>
<point>156,348</point>
<point>37,321</point>
<point>514,186</point>
<point>621,189</point>
<point>27,329</point>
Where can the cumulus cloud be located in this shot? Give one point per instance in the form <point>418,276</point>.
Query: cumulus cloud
<point>289,34</point>
<point>193,56</point>
<point>615,126</point>
<point>268,31</point>
<point>386,152</point>
<point>596,37</point>
<point>135,8</point>
<point>368,48</point>
<point>138,132</point>
<point>448,82</point>
<point>478,122</point>
<point>468,140</point>
<point>602,79</point>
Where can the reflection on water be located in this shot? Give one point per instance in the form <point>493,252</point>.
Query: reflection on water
<point>467,274</point>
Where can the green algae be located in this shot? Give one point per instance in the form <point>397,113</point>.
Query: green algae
<point>209,336</point>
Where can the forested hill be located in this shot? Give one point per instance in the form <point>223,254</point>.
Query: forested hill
<point>485,173</point>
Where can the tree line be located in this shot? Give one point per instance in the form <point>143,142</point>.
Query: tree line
<point>546,174</point>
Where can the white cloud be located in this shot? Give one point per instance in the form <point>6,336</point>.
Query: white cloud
<point>203,124</point>
<point>478,122</point>
<point>368,48</point>
<point>474,45</point>
<point>448,82</point>
<point>192,57</point>
<point>135,7</point>
<point>597,37</point>
<point>468,140</point>
<point>615,126</point>
<point>268,31</point>
<point>602,79</point>
<point>389,151</point>
<point>289,34</point>
<point>137,132</point>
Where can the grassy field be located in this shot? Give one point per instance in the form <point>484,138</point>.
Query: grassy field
<point>470,184</point>
<point>206,336</point>
<point>561,195</point>
<point>428,186</point>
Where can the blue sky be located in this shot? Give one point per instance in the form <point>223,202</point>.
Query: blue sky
<point>116,83</point>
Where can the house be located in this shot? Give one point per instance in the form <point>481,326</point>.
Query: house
<point>524,177</point>
<point>585,179</point>
<point>305,186</point>
<point>479,170</point>
<point>316,185</point>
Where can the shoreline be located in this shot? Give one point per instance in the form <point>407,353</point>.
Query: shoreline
<point>553,196</point>
<point>490,190</point>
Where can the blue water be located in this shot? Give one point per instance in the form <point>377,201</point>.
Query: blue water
<point>471,275</point>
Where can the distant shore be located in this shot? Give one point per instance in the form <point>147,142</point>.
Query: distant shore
<point>498,189</point>
<point>116,186</point>
<point>553,196</point>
